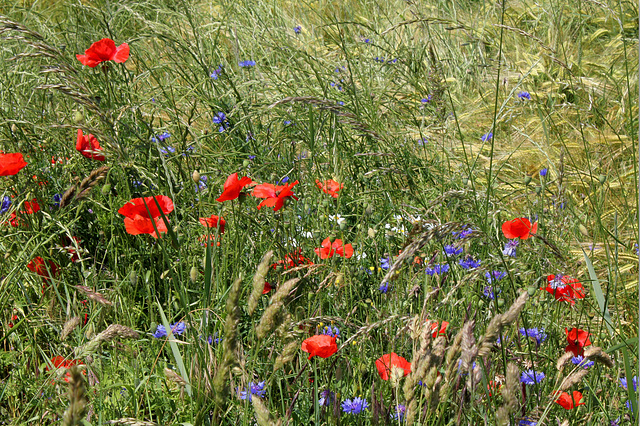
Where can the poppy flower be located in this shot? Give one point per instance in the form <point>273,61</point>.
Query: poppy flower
<point>328,249</point>
<point>569,402</point>
<point>292,260</point>
<point>214,222</point>
<point>320,345</point>
<point>564,288</point>
<point>386,362</point>
<point>30,207</point>
<point>519,228</point>
<point>140,218</point>
<point>275,195</point>
<point>60,362</point>
<point>267,288</point>
<point>12,163</point>
<point>89,146</point>
<point>38,266</point>
<point>330,187</point>
<point>439,331</point>
<point>233,186</point>
<point>104,50</point>
<point>577,339</point>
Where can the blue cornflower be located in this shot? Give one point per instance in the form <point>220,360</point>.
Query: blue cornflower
<point>426,100</point>
<point>527,422</point>
<point>216,73</point>
<point>161,137</point>
<point>355,406</point>
<point>284,180</point>
<point>451,250</point>
<point>494,276</point>
<point>6,203</point>
<point>340,103</point>
<point>385,263</point>
<point>214,340</point>
<point>367,40</point>
<point>488,292</point>
<point>510,248</point>
<point>536,333</point>
<point>177,329</point>
<point>297,29</point>
<point>437,269</point>
<point>56,199</point>
<point>254,389</point>
<point>398,415</point>
<point>167,150</point>
<point>530,377</point>
<point>580,360</point>
<point>469,263</point>
<point>462,234</point>
<point>247,64</point>
<point>333,332</point>
<point>221,118</point>
<point>326,398</point>
<point>384,287</point>
<point>623,382</point>
<point>423,142</point>
<point>544,172</point>
<point>524,95</point>
<point>252,157</point>
<point>202,184</point>
<point>486,137</point>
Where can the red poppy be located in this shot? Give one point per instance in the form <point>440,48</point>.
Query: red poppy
<point>328,249</point>
<point>564,288</point>
<point>30,207</point>
<point>321,345</point>
<point>275,194</point>
<point>104,50</point>
<point>519,228</point>
<point>577,339</point>
<point>38,266</point>
<point>292,260</point>
<point>13,318</point>
<point>386,362</point>
<point>569,402</point>
<point>10,164</point>
<point>213,222</point>
<point>140,218</point>
<point>89,146</point>
<point>439,331</point>
<point>267,288</point>
<point>493,388</point>
<point>60,362</point>
<point>330,187</point>
<point>233,186</point>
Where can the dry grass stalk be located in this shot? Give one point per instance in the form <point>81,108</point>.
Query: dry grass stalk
<point>94,295</point>
<point>263,415</point>
<point>595,353</point>
<point>69,326</point>
<point>510,394</point>
<point>174,377</point>
<point>78,192</point>
<point>130,421</point>
<point>573,378</point>
<point>77,399</point>
<point>274,314</point>
<point>564,358</point>
<point>113,331</point>
<point>258,282</point>
<point>500,321</point>
<point>229,345</point>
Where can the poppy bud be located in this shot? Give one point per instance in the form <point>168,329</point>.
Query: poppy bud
<point>77,117</point>
<point>583,230</point>
<point>538,190</point>
<point>193,274</point>
<point>465,181</point>
<point>500,302</point>
<point>195,176</point>
<point>106,188</point>
<point>133,277</point>
<point>246,163</point>
<point>343,226</point>
<point>531,290</point>
<point>602,179</point>
<point>242,197</point>
<point>368,210</point>
<point>527,180</point>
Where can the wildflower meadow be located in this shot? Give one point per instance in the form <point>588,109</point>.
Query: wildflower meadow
<point>319,212</point>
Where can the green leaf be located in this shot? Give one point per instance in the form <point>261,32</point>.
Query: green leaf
<point>597,292</point>
<point>175,350</point>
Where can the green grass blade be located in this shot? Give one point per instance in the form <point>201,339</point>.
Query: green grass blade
<point>175,350</point>
<point>597,292</point>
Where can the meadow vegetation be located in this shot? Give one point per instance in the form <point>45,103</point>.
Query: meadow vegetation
<point>438,224</point>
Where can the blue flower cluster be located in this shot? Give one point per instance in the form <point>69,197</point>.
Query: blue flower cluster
<point>254,389</point>
<point>177,329</point>
<point>536,333</point>
<point>355,406</point>
<point>530,377</point>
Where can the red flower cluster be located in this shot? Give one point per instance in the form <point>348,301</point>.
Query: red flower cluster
<point>519,228</point>
<point>214,222</point>
<point>30,207</point>
<point>142,213</point>
<point>577,339</point>
<point>233,186</point>
<point>267,288</point>
<point>104,50</point>
<point>10,164</point>
<point>292,260</point>
<point>439,331</point>
<point>38,266</point>
<point>89,146</point>
<point>330,187</point>
<point>564,288</point>
<point>387,362</point>
<point>60,362</point>
<point>275,195</point>
<point>320,345</point>
<point>328,249</point>
<point>569,402</point>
